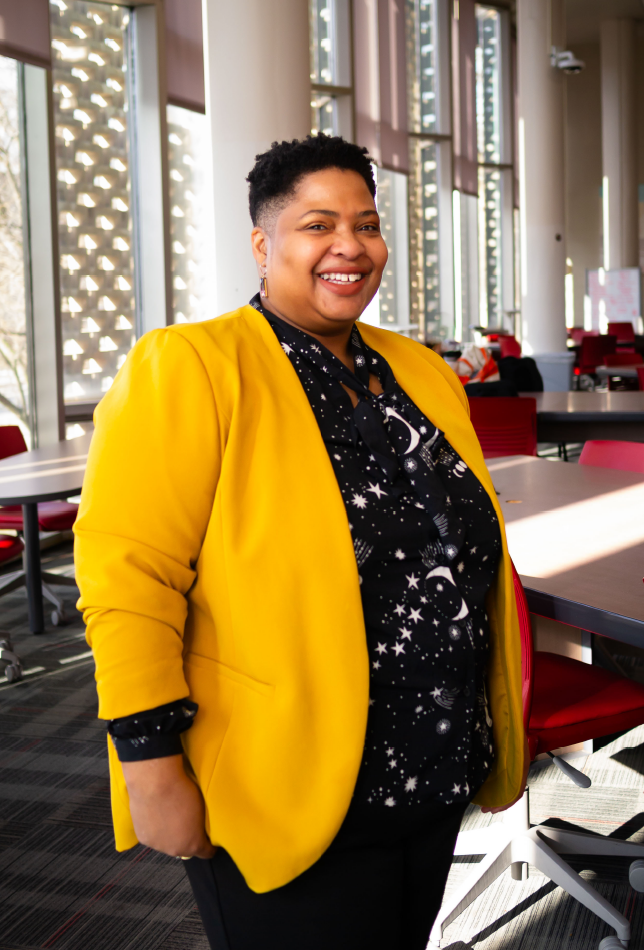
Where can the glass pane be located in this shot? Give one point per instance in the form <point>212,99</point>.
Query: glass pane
<point>424,239</point>
<point>490,247</point>
<point>488,92</point>
<point>191,219</point>
<point>422,64</point>
<point>323,52</point>
<point>14,385</point>
<point>94,193</point>
<point>324,114</point>
<point>394,287</point>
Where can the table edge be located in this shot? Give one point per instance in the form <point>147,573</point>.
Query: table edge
<point>36,497</point>
<point>604,623</point>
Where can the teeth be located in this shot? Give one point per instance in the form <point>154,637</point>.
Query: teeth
<point>341,278</point>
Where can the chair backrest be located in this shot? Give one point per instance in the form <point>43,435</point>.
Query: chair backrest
<point>624,332</point>
<point>593,350</point>
<point>577,334</point>
<point>11,441</point>
<point>640,376</point>
<point>623,359</point>
<point>606,453</point>
<point>527,648</point>
<point>506,425</point>
<point>510,346</point>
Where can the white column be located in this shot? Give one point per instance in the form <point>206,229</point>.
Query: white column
<point>257,92</point>
<point>541,171</point>
<point>619,144</point>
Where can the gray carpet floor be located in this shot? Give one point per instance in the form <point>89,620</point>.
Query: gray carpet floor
<point>62,885</point>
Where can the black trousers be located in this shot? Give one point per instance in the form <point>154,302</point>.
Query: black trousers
<point>378,887</point>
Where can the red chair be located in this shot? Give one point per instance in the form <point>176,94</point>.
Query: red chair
<point>10,548</point>
<point>564,702</point>
<point>640,376</point>
<point>623,358</point>
<point>624,332</point>
<point>505,425</point>
<point>52,516</point>
<point>577,334</point>
<point>510,346</point>
<point>592,351</point>
<point>605,453</point>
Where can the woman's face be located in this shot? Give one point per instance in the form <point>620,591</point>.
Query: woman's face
<point>324,254</point>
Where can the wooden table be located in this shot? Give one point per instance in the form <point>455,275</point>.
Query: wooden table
<point>46,474</point>
<point>576,535</point>
<point>578,416</point>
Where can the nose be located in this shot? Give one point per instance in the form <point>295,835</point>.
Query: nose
<point>347,243</point>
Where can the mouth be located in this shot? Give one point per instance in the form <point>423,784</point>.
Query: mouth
<point>343,282</point>
<point>341,277</point>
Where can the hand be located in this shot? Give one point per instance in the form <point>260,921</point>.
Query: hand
<point>526,768</point>
<point>167,808</point>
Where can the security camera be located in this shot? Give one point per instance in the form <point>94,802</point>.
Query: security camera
<point>566,60</point>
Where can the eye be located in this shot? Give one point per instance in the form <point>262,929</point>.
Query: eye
<point>316,227</point>
<point>370,227</point>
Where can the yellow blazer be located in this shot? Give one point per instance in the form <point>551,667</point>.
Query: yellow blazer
<point>214,559</point>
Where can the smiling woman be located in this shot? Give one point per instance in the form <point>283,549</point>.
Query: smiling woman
<point>311,664</point>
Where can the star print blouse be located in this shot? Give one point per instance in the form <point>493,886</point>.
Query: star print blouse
<point>429,730</point>
<point>427,545</point>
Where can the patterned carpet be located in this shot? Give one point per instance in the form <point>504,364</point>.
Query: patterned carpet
<point>63,886</point>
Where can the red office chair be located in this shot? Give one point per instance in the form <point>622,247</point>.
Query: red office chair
<point>510,346</point>
<point>617,382</point>
<point>10,548</point>
<point>577,334</point>
<point>52,516</point>
<point>640,376</point>
<point>606,453</point>
<point>623,358</point>
<point>564,701</point>
<point>624,332</point>
<point>505,425</point>
<point>592,351</point>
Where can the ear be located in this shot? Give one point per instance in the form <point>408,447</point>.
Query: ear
<point>259,244</point>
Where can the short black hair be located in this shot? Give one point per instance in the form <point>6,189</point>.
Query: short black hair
<point>277,172</point>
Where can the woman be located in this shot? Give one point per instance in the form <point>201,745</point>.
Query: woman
<point>298,593</point>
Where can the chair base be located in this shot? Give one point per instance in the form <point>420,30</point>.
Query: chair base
<point>513,843</point>
<point>16,579</point>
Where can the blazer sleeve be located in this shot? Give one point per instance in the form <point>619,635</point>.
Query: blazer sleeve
<point>146,502</point>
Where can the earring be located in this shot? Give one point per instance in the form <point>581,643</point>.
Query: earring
<point>263,285</point>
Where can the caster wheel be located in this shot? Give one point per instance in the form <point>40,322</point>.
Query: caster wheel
<point>612,943</point>
<point>636,876</point>
<point>56,619</point>
<point>13,673</point>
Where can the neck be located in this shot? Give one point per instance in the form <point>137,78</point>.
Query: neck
<point>336,339</point>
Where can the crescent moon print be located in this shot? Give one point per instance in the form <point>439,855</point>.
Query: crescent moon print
<point>447,574</point>
<point>415,436</point>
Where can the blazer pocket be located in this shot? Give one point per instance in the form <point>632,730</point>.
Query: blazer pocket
<point>222,669</point>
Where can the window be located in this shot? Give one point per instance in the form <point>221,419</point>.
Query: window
<point>394,286</point>
<point>331,92</point>
<point>430,212</point>
<point>94,191</point>
<point>495,226</point>
<point>191,221</point>
<point>14,375</point>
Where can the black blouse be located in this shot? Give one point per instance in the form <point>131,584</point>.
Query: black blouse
<point>427,545</point>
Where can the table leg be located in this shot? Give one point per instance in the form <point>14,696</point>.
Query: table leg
<point>32,568</point>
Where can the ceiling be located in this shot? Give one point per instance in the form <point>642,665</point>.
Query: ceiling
<point>584,16</point>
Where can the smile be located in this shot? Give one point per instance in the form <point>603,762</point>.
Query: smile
<point>341,278</point>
